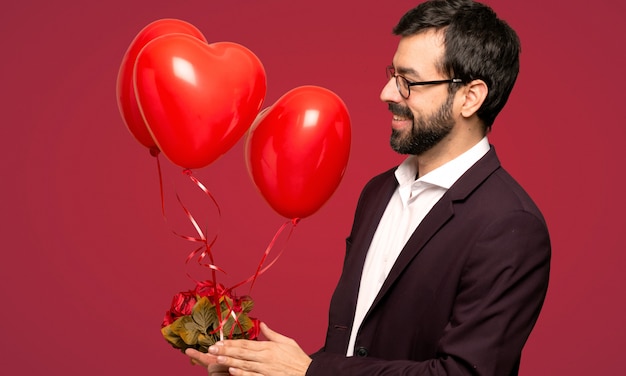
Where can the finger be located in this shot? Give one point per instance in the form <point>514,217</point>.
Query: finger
<point>272,335</point>
<point>228,354</point>
<point>237,348</point>
<point>200,358</point>
<point>240,361</point>
<point>241,367</point>
<point>240,372</point>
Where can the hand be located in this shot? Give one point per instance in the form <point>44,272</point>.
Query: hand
<point>278,356</point>
<point>207,360</point>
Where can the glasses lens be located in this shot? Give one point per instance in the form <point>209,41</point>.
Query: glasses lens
<point>403,86</point>
<point>401,83</point>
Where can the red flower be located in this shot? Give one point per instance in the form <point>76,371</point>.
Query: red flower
<point>182,304</point>
<point>206,288</point>
<point>254,331</point>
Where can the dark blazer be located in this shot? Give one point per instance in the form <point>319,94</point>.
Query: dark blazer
<point>464,293</point>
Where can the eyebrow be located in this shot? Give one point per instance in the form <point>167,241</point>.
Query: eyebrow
<point>407,71</point>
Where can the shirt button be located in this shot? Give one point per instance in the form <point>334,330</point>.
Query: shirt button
<point>361,352</point>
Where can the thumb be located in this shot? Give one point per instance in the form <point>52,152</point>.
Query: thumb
<point>272,335</point>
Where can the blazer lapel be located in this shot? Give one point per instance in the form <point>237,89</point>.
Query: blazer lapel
<point>438,216</point>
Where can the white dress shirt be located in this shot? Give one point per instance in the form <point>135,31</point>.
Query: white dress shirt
<point>408,206</point>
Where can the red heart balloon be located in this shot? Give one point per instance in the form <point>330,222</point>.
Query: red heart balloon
<point>297,150</point>
<point>126,100</point>
<point>197,99</point>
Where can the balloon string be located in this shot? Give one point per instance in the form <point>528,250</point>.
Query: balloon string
<point>203,188</point>
<point>155,153</point>
<point>260,269</point>
<point>204,250</point>
<point>220,291</point>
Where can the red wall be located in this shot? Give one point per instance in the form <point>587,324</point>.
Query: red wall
<point>89,265</point>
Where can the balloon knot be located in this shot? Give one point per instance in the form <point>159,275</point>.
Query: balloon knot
<point>295,221</point>
<point>154,151</point>
<point>187,172</point>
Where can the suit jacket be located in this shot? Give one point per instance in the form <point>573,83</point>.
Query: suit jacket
<point>464,293</point>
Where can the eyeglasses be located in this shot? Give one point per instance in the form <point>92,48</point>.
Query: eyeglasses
<point>404,85</point>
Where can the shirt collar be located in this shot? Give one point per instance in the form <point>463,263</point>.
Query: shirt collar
<point>445,175</point>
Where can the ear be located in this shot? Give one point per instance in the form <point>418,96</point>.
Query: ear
<point>475,94</point>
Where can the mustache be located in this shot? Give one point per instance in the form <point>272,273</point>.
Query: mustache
<point>400,110</point>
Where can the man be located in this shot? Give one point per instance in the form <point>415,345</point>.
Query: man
<point>447,263</point>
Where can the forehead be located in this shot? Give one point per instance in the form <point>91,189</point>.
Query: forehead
<point>420,53</point>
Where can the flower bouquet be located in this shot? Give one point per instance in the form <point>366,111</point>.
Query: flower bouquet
<point>201,317</point>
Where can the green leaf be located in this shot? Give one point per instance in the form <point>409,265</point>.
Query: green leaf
<point>186,329</point>
<point>191,331</point>
<point>204,315</point>
<point>173,338</point>
<point>243,324</point>
<point>207,340</point>
<point>247,305</point>
<point>182,333</point>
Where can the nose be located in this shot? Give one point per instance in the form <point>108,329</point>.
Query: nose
<point>390,92</point>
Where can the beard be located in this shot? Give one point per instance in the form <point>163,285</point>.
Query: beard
<point>425,133</point>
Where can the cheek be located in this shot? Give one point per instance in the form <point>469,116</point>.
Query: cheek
<point>423,106</point>
<point>417,110</point>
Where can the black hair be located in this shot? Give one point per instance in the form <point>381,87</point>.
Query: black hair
<point>478,45</point>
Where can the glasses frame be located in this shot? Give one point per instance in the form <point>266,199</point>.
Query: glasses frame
<point>391,72</point>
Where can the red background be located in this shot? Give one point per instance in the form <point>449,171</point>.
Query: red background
<point>89,266</point>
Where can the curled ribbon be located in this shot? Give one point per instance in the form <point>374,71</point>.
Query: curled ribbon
<point>260,269</point>
<point>204,251</point>
<point>205,248</point>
